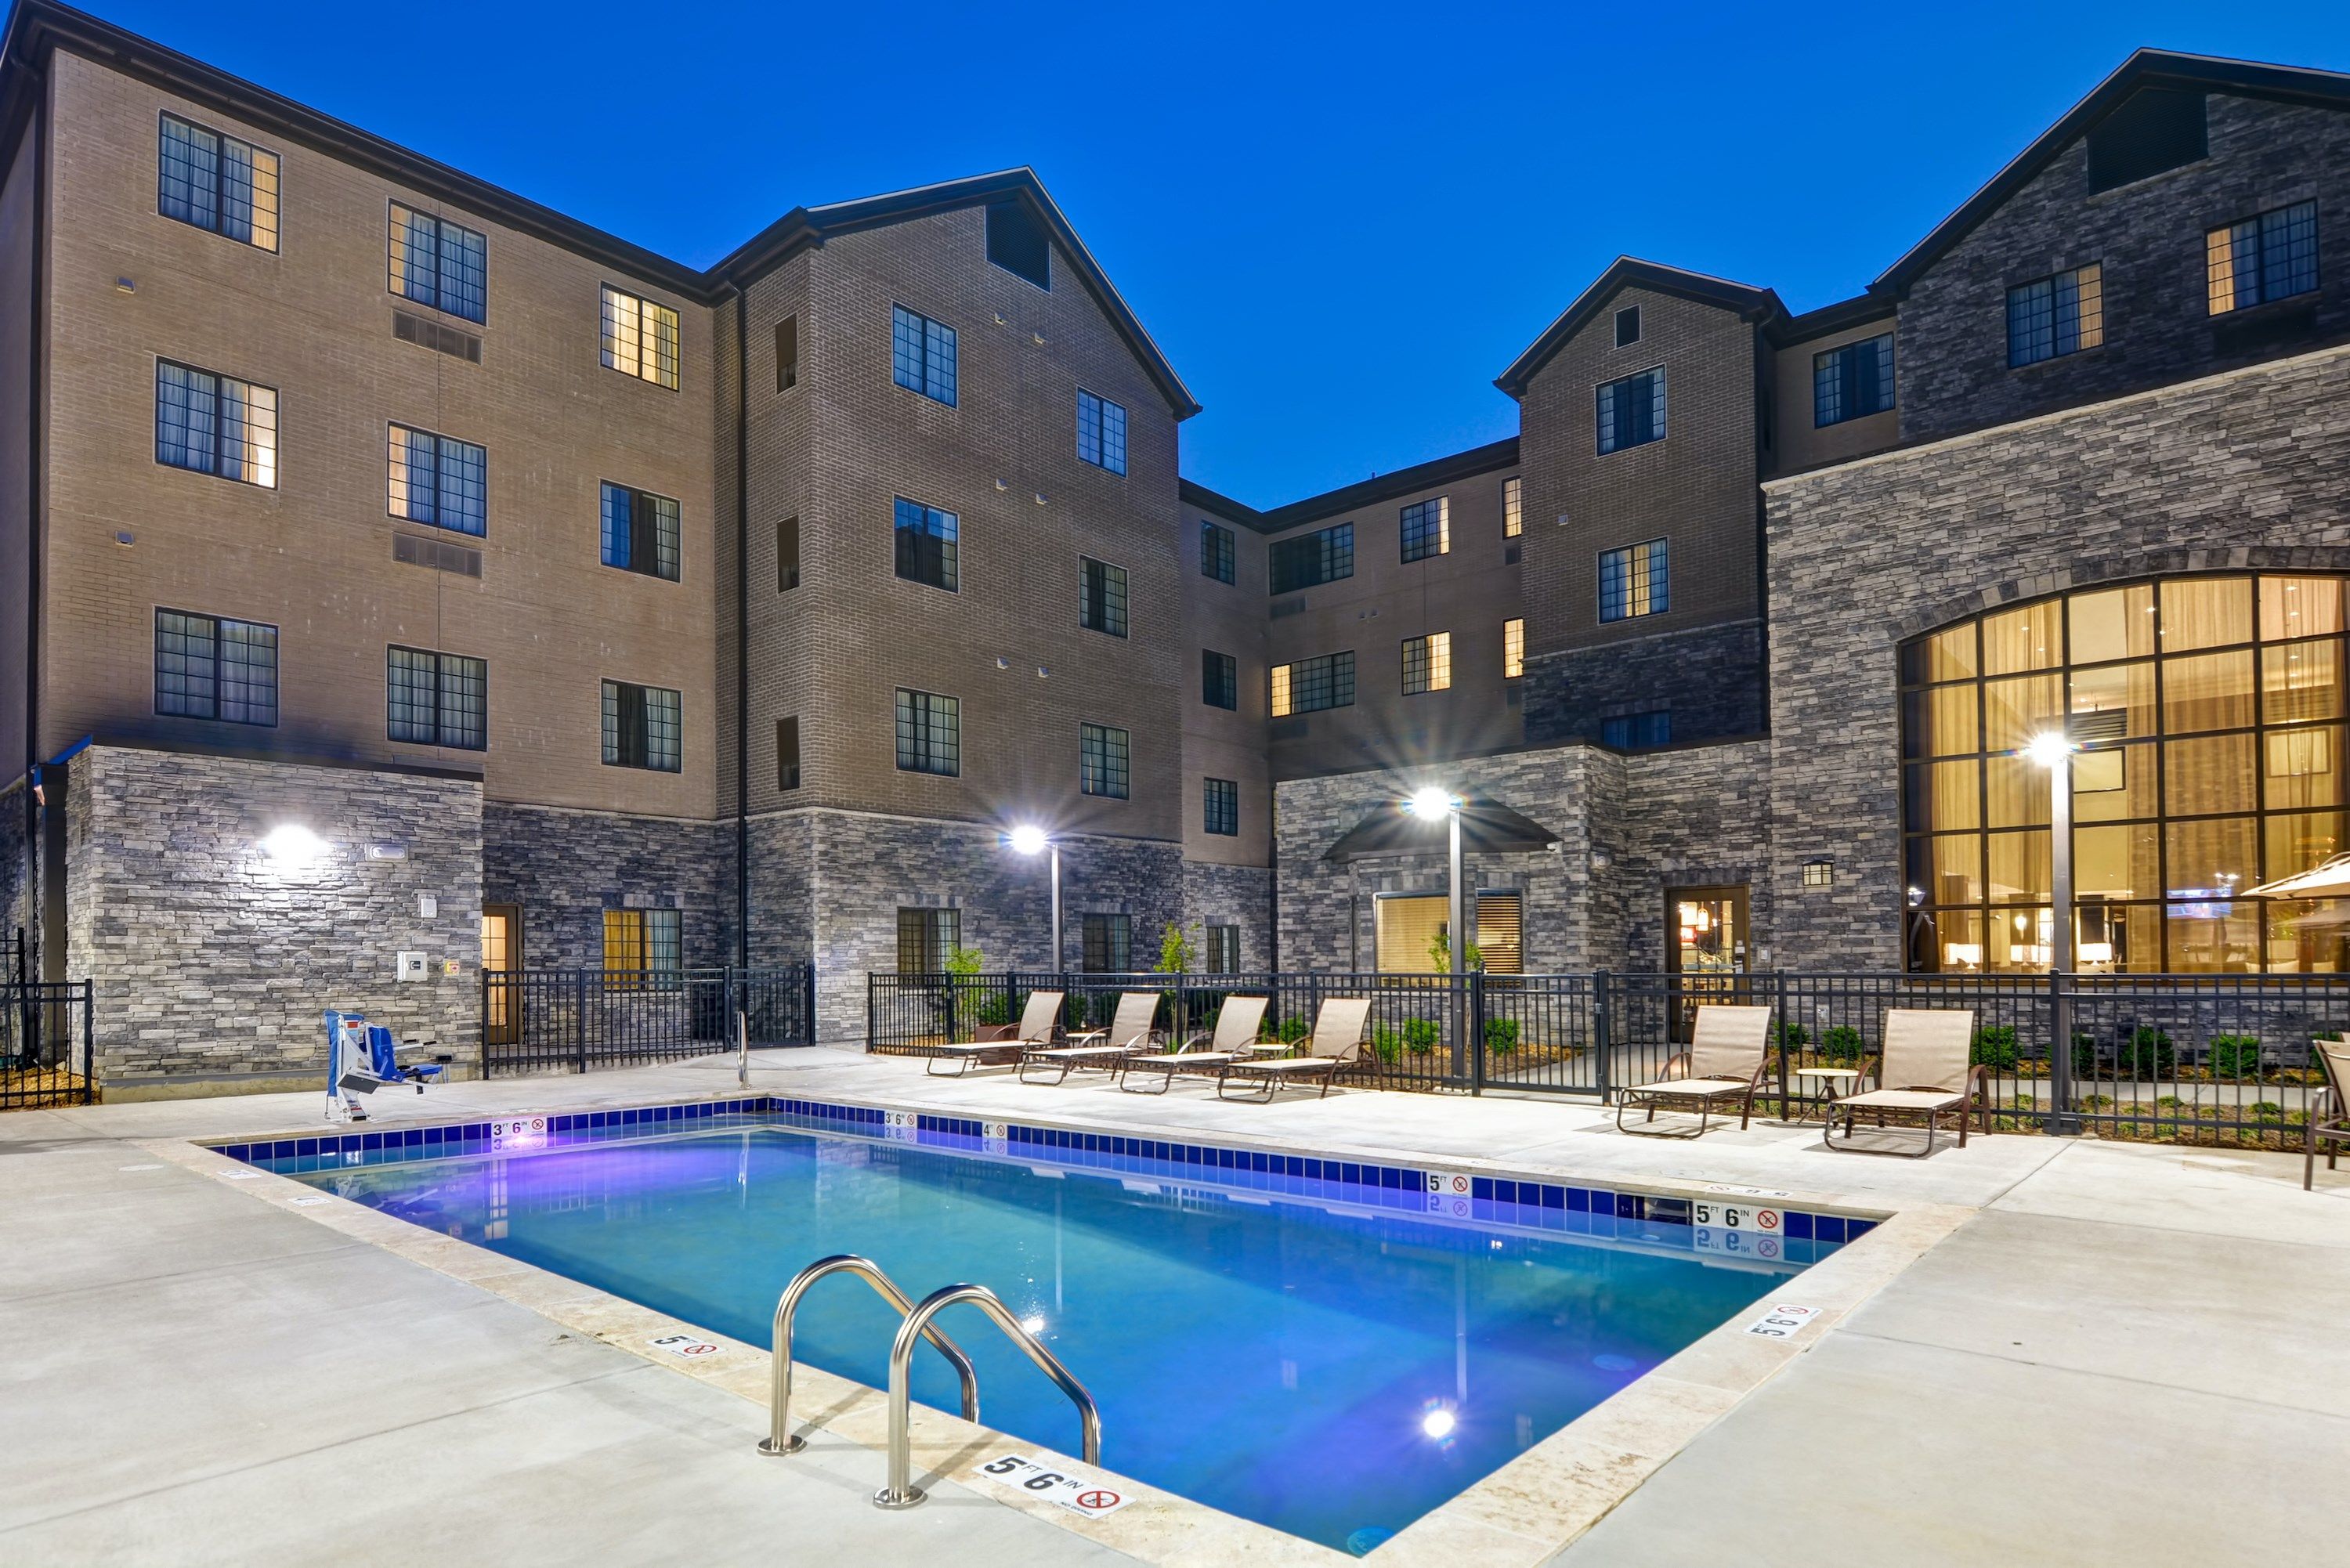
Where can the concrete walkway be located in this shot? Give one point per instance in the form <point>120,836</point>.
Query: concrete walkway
<point>2118,1359</point>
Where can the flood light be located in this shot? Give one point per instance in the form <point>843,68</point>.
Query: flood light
<point>1027,840</point>
<point>292,846</point>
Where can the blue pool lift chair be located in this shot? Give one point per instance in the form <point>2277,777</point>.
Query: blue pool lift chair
<point>361,1058</point>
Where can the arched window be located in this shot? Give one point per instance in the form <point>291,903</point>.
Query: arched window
<point>2209,712</point>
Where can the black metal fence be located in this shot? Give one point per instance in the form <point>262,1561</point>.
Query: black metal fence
<point>569,1020</point>
<point>45,1043</point>
<point>2175,1057</point>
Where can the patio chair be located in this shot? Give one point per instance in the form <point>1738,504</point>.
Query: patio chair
<point>1925,1073</point>
<point>1037,1020</point>
<point>1337,1039</point>
<point>1729,1052</point>
<point>1233,1040</point>
<point>1129,1034</point>
<point>2329,1109</point>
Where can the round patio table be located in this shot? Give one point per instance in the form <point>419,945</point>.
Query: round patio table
<point>1826,1085</point>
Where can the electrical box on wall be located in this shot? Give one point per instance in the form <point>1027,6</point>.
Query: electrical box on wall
<point>412,965</point>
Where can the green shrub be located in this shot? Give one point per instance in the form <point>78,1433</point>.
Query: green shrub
<point>1791,1036</point>
<point>1419,1035</point>
<point>1292,1029</point>
<point>2149,1054</point>
<point>2267,1111</point>
<point>997,1010</point>
<point>1386,1044</point>
<point>1841,1044</point>
<point>2234,1056</point>
<point>1501,1035</point>
<point>2084,1056</point>
<point>1994,1047</point>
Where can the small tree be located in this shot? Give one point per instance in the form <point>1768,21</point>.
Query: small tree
<point>963,963</point>
<point>1439,952</point>
<point>1176,954</point>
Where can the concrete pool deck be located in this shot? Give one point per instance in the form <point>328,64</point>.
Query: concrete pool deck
<point>2114,1357</point>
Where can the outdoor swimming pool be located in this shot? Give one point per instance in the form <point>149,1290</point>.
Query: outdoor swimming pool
<point>1300,1343</point>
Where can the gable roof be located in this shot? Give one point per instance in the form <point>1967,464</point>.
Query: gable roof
<point>2144,68</point>
<point>1625,271</point>
<point>38,28</point>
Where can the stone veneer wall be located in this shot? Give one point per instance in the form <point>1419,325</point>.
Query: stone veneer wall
<point>841,878</point>
<point>565,869</point>
<point>2241,470</point>
<point>1231,896</point>
<point>1710,680</point>
<point>210,964</point>
<point>1630,828</point>
<point>17,886</point>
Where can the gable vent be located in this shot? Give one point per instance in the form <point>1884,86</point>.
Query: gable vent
<point>2156,128</point>
<point>413,551</point>
<point>432,335</point>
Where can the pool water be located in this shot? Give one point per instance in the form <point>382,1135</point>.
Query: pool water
<point>1333,1375</point>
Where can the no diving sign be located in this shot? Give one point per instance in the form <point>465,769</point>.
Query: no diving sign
<point>1081,1494</point>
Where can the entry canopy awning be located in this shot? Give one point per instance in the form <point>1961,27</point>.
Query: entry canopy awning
<point>2331,880</point>
<point>1487,827</point>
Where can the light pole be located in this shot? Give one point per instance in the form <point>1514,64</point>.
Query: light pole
<point>2053,750</point>
<point>1429,804</point>
<point>1028,840</point>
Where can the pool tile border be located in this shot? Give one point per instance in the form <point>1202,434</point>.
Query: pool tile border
<point>1518,1517</point>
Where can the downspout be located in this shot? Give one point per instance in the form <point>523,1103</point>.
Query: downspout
<point>742,632</point>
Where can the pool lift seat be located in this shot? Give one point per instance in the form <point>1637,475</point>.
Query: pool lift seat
<point>361,1059</point>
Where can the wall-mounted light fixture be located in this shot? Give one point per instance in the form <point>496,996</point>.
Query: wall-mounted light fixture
<point>292,846</point>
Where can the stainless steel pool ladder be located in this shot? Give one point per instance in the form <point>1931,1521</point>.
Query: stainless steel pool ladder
<point>902,1492</point>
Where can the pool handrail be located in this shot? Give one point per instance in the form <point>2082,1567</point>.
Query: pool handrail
<point>780,1439</point>
<point>902,1492</point>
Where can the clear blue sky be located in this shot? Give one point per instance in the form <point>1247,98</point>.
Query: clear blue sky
<point>1341,223</point>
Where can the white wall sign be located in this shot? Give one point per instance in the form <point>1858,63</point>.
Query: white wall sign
<point>1735,1217</point>
<point>1782,1321</point>
<point>1079,1492</point>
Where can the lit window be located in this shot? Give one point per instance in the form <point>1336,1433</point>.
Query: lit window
<point>210,668</point>
<point>1853,381</point>
<point>1221,807</point>
<point>928,546</point>
<point>930,734</point>
<point>1102,761</point>
<point>439,480</point>
<point>639,338</point>
<point>1632,411</point>
<point>1514,647</point>
<point>1513,509</point>
<point>217,182</point>
<point>436,699</point>
<point>1311,685</point>
<point>439,264</point>
<point>1633,581</point>
<point>1428,663</point>
<point>922,355</point>
<point>2271,256</point>
<point>643,727</point>
<point>640,942</point>
<point>1101,432</point>
<point>215,424</point>
<point>1101,597</point>
<point>2056,315</point>
<point>641,532</point>
<point>1426,529</point>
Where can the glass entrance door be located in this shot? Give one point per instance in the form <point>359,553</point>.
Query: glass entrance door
<point>501,954</point>
<point>1705,949</point>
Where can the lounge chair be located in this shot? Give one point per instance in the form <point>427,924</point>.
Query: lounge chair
<point>1037,1020</point>
<point>1129,1034</point>
<point>2329,1109</point>
<point>1728,1051</point>
<point>1338,1037</point>
<point>1925,1073</point>
<point>1233,1040</point>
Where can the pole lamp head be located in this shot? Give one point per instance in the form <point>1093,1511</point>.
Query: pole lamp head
<point>1027,839</point>
<point>1432,803</point>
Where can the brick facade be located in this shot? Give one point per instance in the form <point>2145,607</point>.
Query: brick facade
<point>565,869</point>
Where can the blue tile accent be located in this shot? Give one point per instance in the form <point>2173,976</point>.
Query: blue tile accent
<point>1828,1227</point>
<point>1797,1225</point>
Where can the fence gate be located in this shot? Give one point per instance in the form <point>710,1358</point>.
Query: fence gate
<point>45,1043</point>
